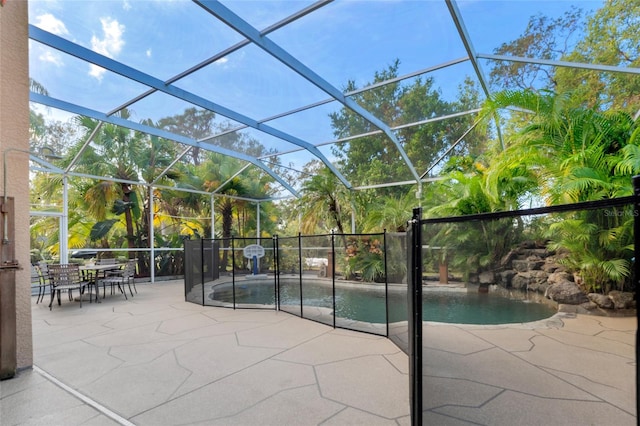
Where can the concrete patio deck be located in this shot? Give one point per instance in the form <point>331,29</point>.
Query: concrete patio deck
<point>157,360</point>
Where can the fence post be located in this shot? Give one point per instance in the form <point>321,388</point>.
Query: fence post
<point>386,281</point>
<point>276,274</point>
<point>415,317</point>
<point>636,274</point>
<point>300,272</point>
<point>201,267</point>
<point>233,271</point>
<point>333,276</point>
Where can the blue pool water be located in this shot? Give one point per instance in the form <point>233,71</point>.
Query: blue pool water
<point>368,305</point>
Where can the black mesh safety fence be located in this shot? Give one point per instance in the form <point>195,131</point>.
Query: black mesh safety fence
<point>361,292</point>
<point>317,293</point>
<point>397,247</point>
<point>335,279</point>
<point>193,271</point>
<point>200,267</point>
<point>254,279</point>
<point>510,267</point>
<point>289,273</point>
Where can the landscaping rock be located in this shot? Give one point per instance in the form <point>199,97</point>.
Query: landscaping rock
<point>557,277</point>
<point>601,300</point>
<point>534,263</point>
<point>507,258</point>
<point>487,277</point>
<point>520,265</point>
<point>540,253</point>
<point>529,244</point>
<point>540,287</point>
<point>529,280</point>
<point>566,292</point>
<point>532,268</point>
<point>622,300</point>
<point>550,267</point>
<point>584,308</point>
<point>506,278</point>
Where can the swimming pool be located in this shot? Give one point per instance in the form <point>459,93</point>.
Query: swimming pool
<point>368,304</point>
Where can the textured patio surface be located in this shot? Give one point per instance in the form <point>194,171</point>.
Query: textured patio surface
<point>157,360</point>
<point>571,370</point>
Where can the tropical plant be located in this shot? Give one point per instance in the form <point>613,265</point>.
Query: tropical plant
<point>390,213</point>
<point>325,203</point>
<point>364,255</point>
<point>573,154</point>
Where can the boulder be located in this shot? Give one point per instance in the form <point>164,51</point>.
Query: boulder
<point>534,261</point>
<point>577,278</point>
<point>506,277</point>
<point>540,287</point>
<point>529,244</point>
<point>584,308</point>
<point>507,258</point>
<point>520,265</point>
<point>530,280</point>
<point>550,267</point>
<point>601,300</point>
<point>622,300</point>
<point>487,277</point>
<point>556,277</point>
<point>566,292</point>
<point>540,253</point>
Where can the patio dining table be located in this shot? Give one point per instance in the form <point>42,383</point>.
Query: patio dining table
<point>91,272</point>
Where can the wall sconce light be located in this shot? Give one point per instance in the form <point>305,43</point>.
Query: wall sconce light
<point>46,152</point>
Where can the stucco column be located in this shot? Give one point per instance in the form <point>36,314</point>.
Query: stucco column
<point>14,136</point>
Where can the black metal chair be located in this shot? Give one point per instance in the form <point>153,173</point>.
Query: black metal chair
<point>40,281</point>
<point>65,277</point>
<point>120,278</point>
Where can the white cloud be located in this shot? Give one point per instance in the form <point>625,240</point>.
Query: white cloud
<point>110,45</point>
<point>222,61</point>
<point>148,53</point>
<point>126,5</point>
<point>52,58</point>
<point>50,23</point>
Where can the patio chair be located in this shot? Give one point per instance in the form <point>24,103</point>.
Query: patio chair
<point>40,281</point>
<point>106,261</point>
<point>120,278</point>
<point>65,277</point>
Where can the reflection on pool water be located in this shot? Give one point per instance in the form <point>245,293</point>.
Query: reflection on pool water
<point>368,305</point>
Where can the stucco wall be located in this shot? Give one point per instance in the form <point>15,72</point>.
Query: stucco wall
<point>14,134</point>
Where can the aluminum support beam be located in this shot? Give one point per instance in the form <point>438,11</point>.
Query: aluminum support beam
<point>473,57</point>
<point>580,65</point>
<point>86,143</point>
<point>347,94</point>
<point>466,41</point>
<point>228,51</point>
<point>76,109</point>
<point>63,240</point>
<point>234,21</point>
<point>119,68</point>
<point>236,174</point>
<point>377,132</point>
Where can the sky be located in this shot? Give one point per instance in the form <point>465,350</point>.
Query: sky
<point>341,42</point>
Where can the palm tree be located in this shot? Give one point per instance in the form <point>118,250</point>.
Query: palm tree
<point>325,203</point>
<point>392,213</point>
<point>121,154</point>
